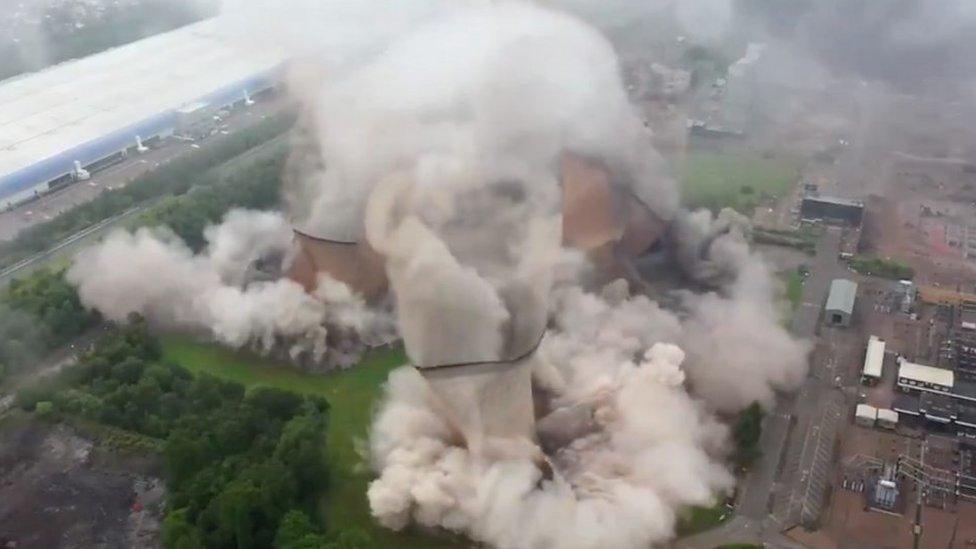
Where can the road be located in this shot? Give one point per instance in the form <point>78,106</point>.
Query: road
<point>51,205</point>
<point>798,434</point>
<point>69,246</point>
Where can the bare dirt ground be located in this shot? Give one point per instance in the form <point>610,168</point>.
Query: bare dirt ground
<point>57,490</point>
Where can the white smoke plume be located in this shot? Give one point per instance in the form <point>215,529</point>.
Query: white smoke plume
<point>642,450</point>
<point>738,351</point>
<point>153,273</point>
<point>630,433</point>
<point>439,127</point>
<point>507,82</point>
<point>452,157</point>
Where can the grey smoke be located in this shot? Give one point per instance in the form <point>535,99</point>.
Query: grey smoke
<point>906,43</point>
<point>153,273</point>
<point>438,128</point>
<point>447,138</point>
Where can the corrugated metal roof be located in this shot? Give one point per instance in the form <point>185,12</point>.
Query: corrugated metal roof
<point>45,113</point>
<point>926,374</point>
<point>874,359</point>
<point>841,297</point>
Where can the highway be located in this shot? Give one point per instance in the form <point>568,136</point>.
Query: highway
<point>69,246</point>
<point>49,206</point>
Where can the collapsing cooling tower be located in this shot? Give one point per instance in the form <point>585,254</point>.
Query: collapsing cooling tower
<point>471,287</point>
<point>604,218</point>
<point>355,264</point>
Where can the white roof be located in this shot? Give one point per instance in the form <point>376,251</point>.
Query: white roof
<point>874,359</point>
<point>841,296</point>
<point>864,410</point>
<point>885,414</point>
<point>926,374</point>
<point>48,112</point>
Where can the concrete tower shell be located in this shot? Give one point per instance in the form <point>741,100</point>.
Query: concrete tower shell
<point>354,263</point>
<point>604,219</point>
<point>489,399</point>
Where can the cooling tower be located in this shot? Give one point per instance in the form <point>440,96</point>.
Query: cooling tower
<point>354,263</point>
<point>603,218</point>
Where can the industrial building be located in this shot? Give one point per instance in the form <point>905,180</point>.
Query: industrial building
<point>60,124</point>
<point>865,415</point>
<point>960,347</point>
<point>873,361</point>
<point>887,419</point>
<point>919,377</point>
<point>842,211</point>
<point>840,302</point>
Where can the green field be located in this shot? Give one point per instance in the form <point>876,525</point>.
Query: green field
<point>794,289</point>
<point>716,180</point>
<point>352,395</point>
<point>699,519</point>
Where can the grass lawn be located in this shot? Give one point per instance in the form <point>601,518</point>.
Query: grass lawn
<point>352,395</point>
<point>794,289</point>
<point>716,180</point>
<point>790,294</point>
<point>699,519</point>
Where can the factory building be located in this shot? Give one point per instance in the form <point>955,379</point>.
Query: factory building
<point>842,211</point>
<point>921,378</point>
<point>873,361</point>
<point>840,303</point>
<point>961,343</point>
<point>62,123</point>
<point>936,295</point>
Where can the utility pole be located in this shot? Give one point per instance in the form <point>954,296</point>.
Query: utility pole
<point>917,527</point>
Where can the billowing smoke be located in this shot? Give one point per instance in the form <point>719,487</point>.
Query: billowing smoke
<point>153,273</point>
<point>906,43</point>
<point>438,129</point>
<point>448,139</point>
<point>738,321</point>
<point>641,453</point>
<point>629,425</point>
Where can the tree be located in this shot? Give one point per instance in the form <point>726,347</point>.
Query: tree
<point>353,538</point>
<point>302,448</point>
<point>44,409</point>
<point>178,533</point>
<point>296,531</point>
<point>236,507</point>
<point>186,452</point>
<point>745,434</point>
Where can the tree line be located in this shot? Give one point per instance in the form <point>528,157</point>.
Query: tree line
<point>243,469</point>
<point>42,311</point>
<point>37,314</point>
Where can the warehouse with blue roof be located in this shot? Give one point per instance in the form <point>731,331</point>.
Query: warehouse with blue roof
<point>58,124</point>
